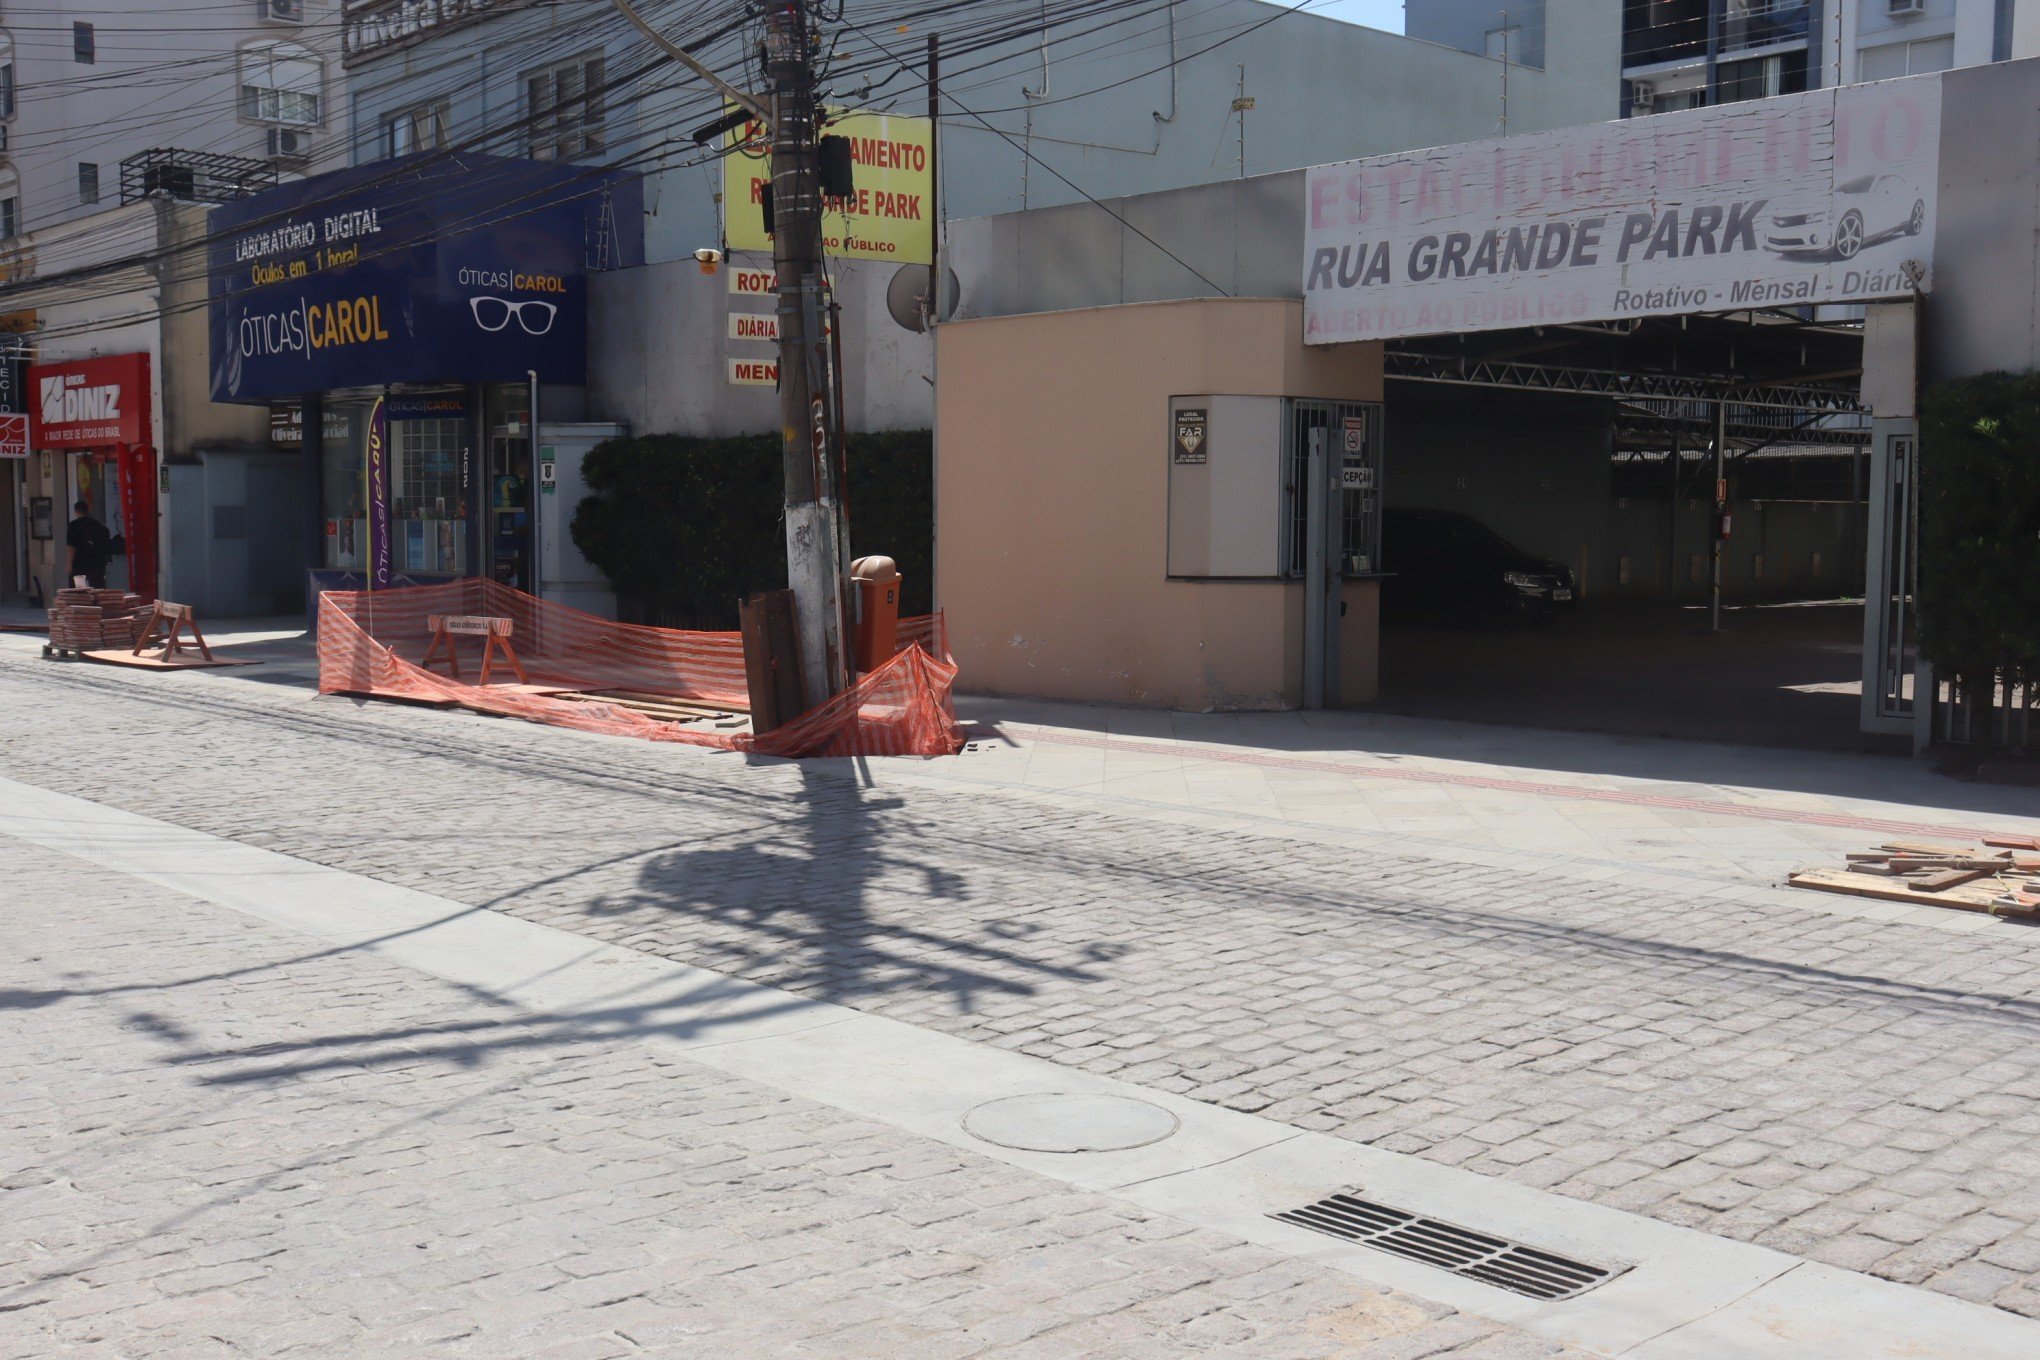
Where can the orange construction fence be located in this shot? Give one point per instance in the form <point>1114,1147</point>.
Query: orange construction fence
<point>373,642</point>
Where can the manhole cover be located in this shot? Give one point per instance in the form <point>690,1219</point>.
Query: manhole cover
<point>1069,1123</point>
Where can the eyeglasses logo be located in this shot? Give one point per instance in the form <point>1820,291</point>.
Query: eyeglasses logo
<point>494,313</point>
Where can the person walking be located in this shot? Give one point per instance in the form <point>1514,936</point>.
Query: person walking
<point>91,546</point>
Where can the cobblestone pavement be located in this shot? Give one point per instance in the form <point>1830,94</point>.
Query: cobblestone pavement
<point>1864,1094</point>
<point>223,1139</point>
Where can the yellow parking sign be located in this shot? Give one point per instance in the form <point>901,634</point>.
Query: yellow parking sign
<point>887,217</point>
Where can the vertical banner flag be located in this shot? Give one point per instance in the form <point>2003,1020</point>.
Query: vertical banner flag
<point>885,218</point>
<point>378,472</point>
<point>137,472</point>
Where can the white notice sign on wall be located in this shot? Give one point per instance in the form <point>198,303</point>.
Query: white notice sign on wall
<point>1826,196</point>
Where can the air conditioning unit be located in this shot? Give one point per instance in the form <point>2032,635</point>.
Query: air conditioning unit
<point>1642,97</point>
<point>1899,8</point>
<point>289,144</point>
<point>283,11</point>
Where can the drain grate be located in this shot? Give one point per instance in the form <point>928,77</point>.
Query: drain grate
<point>1477,1256</point>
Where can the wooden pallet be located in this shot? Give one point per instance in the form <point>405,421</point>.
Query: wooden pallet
<point>671,708</point>
<point>1974,896</point>
<point>1999,881</point>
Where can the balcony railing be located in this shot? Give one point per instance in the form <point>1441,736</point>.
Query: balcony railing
<point>192,176</point>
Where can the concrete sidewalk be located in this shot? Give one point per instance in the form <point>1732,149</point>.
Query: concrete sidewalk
<point>1687,816</point>
<point>528,993</point>
<point>222,1139</point>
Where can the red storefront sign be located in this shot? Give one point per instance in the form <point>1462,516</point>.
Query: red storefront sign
<point>89,403</point>
<point>101,407</point>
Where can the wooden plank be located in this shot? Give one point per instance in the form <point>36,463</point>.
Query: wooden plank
<point>1966,898</point>
<point>1946,878</point>
<point>2014,842</point>
<point>1910,863</point>
<point>702,707</point>
<point>660,712</point>
<point>180,662</point>
<point>1927,848</point>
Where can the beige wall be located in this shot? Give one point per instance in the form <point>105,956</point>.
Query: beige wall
<point>1052,499</point>
<point>191,419</point>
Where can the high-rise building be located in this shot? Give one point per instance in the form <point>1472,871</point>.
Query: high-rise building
<point>1679,54</point>
<point>106,103</point>
<point>1685,54</point>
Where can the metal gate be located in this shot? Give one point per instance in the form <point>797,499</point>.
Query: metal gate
<point>1359,491</point>
<point>1331,461</point>
<point>1891,662</point>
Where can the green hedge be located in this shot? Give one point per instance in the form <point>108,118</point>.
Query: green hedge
<point>684,527</point>
<point>1980,527</point>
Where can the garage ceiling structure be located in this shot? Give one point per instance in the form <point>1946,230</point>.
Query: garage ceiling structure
<point>1786,378</point>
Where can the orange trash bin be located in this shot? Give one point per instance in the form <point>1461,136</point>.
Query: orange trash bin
<point>877,634</point>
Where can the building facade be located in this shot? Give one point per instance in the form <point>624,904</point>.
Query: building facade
<point>1681,54</point>
<point>104,103</point>
<point>119,124</point>
<point>1169,96</point>
<point>1632,415</point>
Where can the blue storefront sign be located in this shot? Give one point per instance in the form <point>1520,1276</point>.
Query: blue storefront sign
<point>426,269</point>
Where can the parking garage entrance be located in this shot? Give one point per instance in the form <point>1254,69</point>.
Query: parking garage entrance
<point>1649,413</point>
<point>1654,527</point>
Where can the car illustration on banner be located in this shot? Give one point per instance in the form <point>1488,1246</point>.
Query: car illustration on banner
<point>1865,210</point>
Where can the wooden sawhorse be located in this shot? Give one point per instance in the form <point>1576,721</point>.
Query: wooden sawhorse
<point>173,619</point>
<point>494,632</point>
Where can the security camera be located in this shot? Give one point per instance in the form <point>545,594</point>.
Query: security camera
<point>708,255</point>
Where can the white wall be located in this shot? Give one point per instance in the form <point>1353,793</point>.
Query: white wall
<point>164,75</point>
<point>2026,28</point>
<point>1971,24</point>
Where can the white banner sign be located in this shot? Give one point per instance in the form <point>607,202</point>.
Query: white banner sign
<point>752,372</point>
<point>1826,196</point>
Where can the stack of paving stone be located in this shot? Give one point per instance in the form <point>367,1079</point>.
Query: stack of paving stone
<point>86,620</point>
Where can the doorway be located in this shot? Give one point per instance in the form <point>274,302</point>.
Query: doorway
<point>1566,505</point>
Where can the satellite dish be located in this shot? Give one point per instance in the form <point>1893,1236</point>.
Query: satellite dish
<point>906,296</point>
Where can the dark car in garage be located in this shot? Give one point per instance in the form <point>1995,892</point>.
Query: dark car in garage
<point>1442,564</point>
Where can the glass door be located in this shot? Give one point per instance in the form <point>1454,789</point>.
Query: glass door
<point>428,513</point>
<point>510,508</point>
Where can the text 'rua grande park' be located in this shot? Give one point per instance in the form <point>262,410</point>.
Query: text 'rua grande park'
<point>1542,247</point>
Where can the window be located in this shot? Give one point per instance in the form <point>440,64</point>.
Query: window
<point>82,47</point>
<point>1506,44</point>
<point>420,129</point>
<point>564,107</point>
<point>1893,60</point>
<point>280,83</point>
<point>7,89</point>
<point>1762,77</point>
<point>88,182</point>
<point>10,215</point>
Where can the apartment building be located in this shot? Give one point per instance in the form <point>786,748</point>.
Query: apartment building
<point>105,103</point>
<point>1689,54</point>
<point>120,122</point>
<point>1681,54</point>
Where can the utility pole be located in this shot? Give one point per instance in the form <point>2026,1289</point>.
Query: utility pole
<point>814,557</point>
<point>934,178</point>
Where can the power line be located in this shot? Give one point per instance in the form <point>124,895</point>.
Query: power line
<point>1071,184</point>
